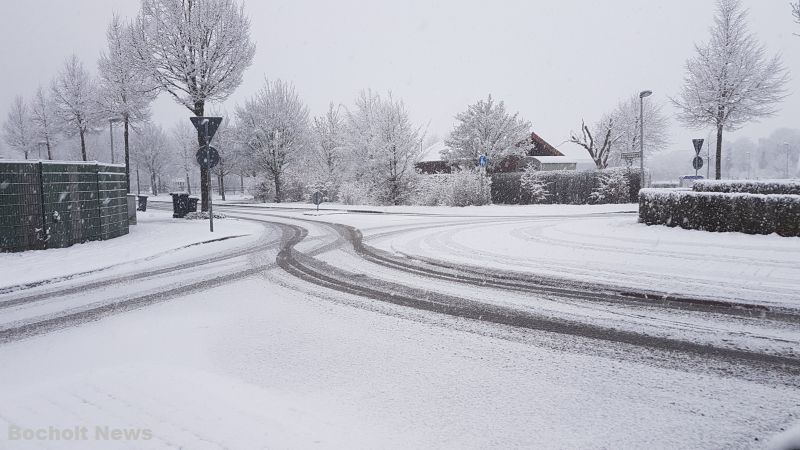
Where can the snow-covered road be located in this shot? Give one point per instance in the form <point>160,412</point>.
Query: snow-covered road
<point>313,337</point>
<point>258,365</point>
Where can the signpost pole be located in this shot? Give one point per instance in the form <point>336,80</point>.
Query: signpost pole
<point>210,187</point>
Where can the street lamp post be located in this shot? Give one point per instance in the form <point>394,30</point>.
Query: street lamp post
<point>642,95</point>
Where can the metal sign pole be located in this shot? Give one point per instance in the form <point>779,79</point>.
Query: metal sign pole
<point>210,187</point>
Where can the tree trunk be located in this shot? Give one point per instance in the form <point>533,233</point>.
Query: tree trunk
<point>188,184</point>
<point>278,194</point>
<point>153,187</point>
<point>127,155</point>
<point>221,183</point>
<point>49,150</point>
<point>718,162</point>
<point>241,180</point>
<point>83,145</point>
<point>205,176</point>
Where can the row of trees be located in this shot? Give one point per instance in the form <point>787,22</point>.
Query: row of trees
<point>729,82</point>
<point>196,51</point>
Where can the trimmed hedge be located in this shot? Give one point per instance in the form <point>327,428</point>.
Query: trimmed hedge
<point>564,186</point>
<point>719,211</point>
<point>786,187</point>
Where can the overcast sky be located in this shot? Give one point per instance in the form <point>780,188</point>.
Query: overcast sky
<point>553,61</point>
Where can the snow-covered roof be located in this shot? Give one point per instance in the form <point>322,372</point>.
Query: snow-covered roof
<point>434,152</point>
<point>554,159</point>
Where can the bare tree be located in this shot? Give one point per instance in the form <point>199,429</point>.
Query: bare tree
<point>600,150</point>
<point>626,123</point>
<point>274,127</point>
<point>486,128</point>
<point>325,158</point>
<point>197,51</point>
<point>730,81</point>
<point>383,146</point>
<point>125,90</point>
<point>18,129</point>
<point>150,150</point>
<point>75,97</point>
<point>44,120</point>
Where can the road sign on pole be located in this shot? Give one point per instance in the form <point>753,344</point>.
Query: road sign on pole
<point>697,163</point>
<point>207,125</point>
<point>207,159</point>
<point>698,145</point>
<point>316,198</point>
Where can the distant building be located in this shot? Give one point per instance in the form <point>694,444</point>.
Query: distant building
<point>431,160</point>
<point>543,155</point>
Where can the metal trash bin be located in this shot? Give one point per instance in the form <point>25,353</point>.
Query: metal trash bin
<point>142,203</point>
<point>193,204</point>
<point>180,204</point>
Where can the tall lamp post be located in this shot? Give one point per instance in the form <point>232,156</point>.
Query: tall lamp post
<point>642,95</point>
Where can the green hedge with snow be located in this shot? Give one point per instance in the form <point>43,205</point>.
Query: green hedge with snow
<point>787,187</point>
<point>721,211</point>
<point>563,187</point>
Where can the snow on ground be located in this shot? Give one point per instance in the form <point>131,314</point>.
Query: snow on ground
<point>602,243</point>
<point>618,250</point>
<point>256,365</point>
<point>156,239</point>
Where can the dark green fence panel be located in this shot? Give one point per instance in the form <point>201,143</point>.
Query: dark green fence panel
<point>21,207</point>
<point>57,204</point>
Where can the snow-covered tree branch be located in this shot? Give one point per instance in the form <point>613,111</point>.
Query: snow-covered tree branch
<point>486,128</point>
<point>18,128</point>
<point>731,80</point>
<point>274,127</point>
<point>326,154</point>
<point>383,146</point>
<point>626,118</point>
<point>150,151</point>
<point>599,150</point>
<point>197,51</point>
<point>44,120</point>
<point>125,90</point>
<point>75,97</point>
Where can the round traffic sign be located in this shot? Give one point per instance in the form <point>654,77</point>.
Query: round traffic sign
<point>697,163</point>
<point>316,198</point>
<point>209,159</point>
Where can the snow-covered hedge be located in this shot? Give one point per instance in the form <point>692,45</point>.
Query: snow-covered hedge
<point>789,187</point>
<point>719,211</point>
<point>567,187</point>
<point>460,188</point>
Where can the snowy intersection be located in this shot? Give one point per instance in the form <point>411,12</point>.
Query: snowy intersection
<point>323,345</point>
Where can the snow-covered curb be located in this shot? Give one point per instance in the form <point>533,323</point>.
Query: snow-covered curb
<point>157,238</point>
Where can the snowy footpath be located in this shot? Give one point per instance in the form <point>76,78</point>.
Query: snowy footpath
<point>157,239</point>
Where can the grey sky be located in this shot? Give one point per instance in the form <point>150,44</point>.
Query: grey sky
<point>555,62</point>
